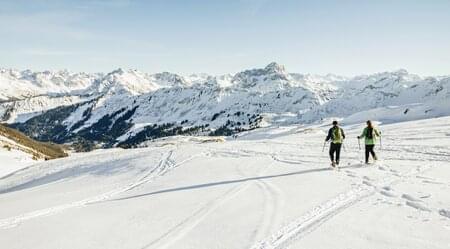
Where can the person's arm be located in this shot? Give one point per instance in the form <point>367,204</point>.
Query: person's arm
<point>377,133</point>
<point>343,134</point>
<point>363,134</point>
<point>329,135</point>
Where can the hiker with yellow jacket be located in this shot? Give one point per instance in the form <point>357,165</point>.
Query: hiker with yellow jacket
<point>337,136</point>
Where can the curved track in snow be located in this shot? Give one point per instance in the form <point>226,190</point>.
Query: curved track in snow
<point>318,215</point>
<point>164,166</point>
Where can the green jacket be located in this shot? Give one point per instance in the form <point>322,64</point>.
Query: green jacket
<point>370,141</point>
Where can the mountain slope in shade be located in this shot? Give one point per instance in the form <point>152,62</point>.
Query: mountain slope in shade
<point>13,157</point>
<point>12,138</point>
<point>18,151</point>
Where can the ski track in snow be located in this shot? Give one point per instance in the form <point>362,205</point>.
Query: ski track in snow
<point>177,232</point>
<point>273,201</point>
<point>314,218</point>
<point>165,165</point>
<point>318,215</point>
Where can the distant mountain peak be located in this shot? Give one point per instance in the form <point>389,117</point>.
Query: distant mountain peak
<point>117,71</point>
<point>275,68</point>
<point>401,71</point>
<point>167,79</point>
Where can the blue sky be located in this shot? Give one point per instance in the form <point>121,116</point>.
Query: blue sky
<point>185,36</point>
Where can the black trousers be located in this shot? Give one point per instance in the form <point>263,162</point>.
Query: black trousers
<point>369,150</point>
<point>335,148</point>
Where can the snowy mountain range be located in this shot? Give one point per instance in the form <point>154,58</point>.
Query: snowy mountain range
<point>127,107</point>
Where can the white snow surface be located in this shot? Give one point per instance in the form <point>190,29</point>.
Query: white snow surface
<point>12,158</point>
<point>268,188</point>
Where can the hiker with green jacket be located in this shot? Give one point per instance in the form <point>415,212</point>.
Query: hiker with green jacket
<point>370,134</point>
<point>337,136</point>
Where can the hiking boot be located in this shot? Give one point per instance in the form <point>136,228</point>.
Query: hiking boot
<point>337,163</point>
<point>375,158</point>
<point>333,164</point>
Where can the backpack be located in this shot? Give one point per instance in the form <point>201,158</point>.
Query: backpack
<point>369,133</point>
<point>337,134</point>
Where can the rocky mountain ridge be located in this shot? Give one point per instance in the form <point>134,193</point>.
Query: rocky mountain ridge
<point>127,107</point>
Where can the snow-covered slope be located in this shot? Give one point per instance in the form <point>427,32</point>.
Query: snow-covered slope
<point>13,156</point>
<point>269,188</point>
<point>18,151</point>
<point>412,96</point>
<point>128,107</point>
<point>25,94</point>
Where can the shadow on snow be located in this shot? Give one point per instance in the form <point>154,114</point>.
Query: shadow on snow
<point>213,184</point>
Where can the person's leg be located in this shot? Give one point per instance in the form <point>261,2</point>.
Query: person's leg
<point>332,149</point>
<point>367,153</point>
<point>338,152</point>
<point>374,156</point>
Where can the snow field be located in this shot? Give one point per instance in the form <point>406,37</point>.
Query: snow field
<point>270,188</point>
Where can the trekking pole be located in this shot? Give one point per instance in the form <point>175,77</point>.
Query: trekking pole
<point>359,144</point>
<point>343,147</point>
<point>324,143</point>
